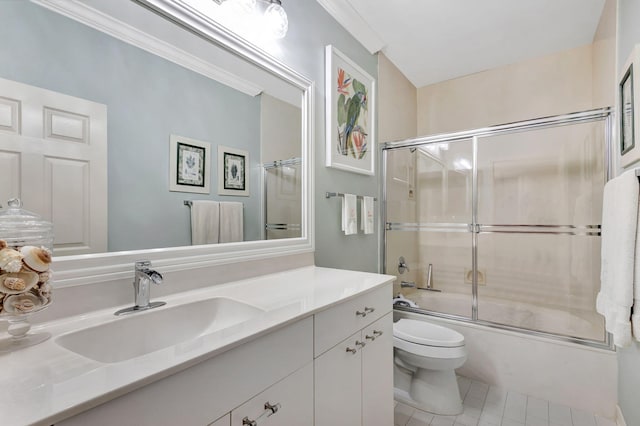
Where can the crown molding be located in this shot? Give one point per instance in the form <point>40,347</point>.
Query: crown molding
<point>107,24</point>
<point>350,19</point>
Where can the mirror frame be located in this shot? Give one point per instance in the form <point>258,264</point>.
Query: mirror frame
<point>102,267</point>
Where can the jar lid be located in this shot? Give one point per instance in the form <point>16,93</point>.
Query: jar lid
<point>18,224</point>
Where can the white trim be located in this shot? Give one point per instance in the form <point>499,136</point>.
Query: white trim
<point>350,19</point>
<point>102,22</point>
<point>619,417</point>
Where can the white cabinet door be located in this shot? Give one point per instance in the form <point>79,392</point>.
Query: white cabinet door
<point>338,384</point>
<point>377,373</point>
<point>287,403</point>
<point>53,156</point>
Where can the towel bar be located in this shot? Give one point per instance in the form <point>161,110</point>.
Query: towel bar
<point>340,194</point>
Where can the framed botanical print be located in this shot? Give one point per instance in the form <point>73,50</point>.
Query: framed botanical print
<point>627,139</point>
<point>189,165</point>
<point>350,103</point>
<point>233,176</point>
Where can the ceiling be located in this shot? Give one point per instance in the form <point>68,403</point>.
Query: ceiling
<point>436,40</point>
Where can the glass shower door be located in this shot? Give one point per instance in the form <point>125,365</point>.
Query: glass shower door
<point>428,213</point>
<point>283,198</point>
<point>539,210</point>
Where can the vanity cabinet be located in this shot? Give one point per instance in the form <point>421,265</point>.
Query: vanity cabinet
<point>354,378</point>
<point>332,368</point>
<point>212,388</point>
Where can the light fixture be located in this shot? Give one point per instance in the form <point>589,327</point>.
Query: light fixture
<point>275,19</point>
<point>255,18</point>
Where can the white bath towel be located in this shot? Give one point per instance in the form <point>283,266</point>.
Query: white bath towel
<point>205,222</point>
<point>231,222</point>
<point>349,214</point>
<point>367,215</point>
<point>619,240</point>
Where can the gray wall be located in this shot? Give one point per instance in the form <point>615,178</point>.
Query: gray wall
<point>311,28</point>
<point>628,358</point>
<point>148,98</point>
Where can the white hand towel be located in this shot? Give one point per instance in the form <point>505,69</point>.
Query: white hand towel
<point>205,222</point>
<point>367,215</point>
<point>231,222</point>
<point>350,214</point>
<point>619,238</point>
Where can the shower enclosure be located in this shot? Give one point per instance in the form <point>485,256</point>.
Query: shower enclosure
<point>282,199</point>
<point>503,222</point>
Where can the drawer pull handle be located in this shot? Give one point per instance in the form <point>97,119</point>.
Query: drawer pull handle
<point>269,410</point>
<point>352,350</point>
<point>362,314</point>
<point>377,333</point>
<point>372,338</point>
<point>369,310</point>
<point>361,344</point>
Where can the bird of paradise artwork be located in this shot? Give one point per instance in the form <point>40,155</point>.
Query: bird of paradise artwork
<point>352,116</point>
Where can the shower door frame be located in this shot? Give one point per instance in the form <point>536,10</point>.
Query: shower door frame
<point>595,115</point>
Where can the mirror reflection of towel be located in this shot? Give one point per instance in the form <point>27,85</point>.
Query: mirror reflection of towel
<point>205,222</point>
<point>231,222</point>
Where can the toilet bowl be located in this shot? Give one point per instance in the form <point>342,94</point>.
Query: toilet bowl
<point>425,357</point>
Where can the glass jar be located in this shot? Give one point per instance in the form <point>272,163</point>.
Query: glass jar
<point>26,241</point>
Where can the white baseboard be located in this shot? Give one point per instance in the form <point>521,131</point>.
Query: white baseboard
<point>619,417</point>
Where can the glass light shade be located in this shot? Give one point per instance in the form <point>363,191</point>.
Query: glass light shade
<point>276,20</point>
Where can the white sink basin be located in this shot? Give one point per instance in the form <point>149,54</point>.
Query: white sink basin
<point>145,332</point>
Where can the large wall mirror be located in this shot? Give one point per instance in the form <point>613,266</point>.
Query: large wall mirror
<point>118,118</point>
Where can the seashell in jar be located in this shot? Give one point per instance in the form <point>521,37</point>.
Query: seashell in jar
<point>45,276</point>
<point>45,291</point>
<point>17,282</point>
<point>3,244</point>
<point>36,258</point>
<point>10,260</point>
<point>21,303</point>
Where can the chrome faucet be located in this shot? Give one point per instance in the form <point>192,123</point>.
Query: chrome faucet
<point>142,280</point>
<point>430,279</point>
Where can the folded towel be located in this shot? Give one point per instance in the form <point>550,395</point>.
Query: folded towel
<point>231,222</point>
<point>205,222</point>
<point>349,214</point>
<point>367,215</point>
<point>619,239</point>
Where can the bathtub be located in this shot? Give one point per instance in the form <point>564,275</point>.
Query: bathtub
<point>579,324</point>
<point>574,375</point>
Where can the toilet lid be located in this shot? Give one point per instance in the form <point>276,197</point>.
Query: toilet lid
<point>424,333</point>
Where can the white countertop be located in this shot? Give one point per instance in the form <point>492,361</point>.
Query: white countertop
<point>47,383</point>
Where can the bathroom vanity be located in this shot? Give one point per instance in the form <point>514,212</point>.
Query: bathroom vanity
<point>306,346</point>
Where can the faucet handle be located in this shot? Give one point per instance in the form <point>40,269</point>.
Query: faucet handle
<point>141,265</point>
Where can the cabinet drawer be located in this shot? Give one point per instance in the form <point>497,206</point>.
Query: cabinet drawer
<point>291,399</point>
<point>335,324</point>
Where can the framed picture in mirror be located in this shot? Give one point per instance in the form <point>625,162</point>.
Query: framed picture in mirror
<point>232,171</point>
<point>190,165</point>
<point>350,104</point>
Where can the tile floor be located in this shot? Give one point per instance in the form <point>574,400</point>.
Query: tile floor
<point>486,405</point>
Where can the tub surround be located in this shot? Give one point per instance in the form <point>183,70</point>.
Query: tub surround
<point>47,383</point>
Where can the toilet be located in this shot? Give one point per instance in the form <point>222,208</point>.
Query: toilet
<point>425,357</point>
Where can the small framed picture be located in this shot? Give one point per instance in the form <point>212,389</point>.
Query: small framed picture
<point>627,139</point>
<point>189,165</point>
<point>233,178</point>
